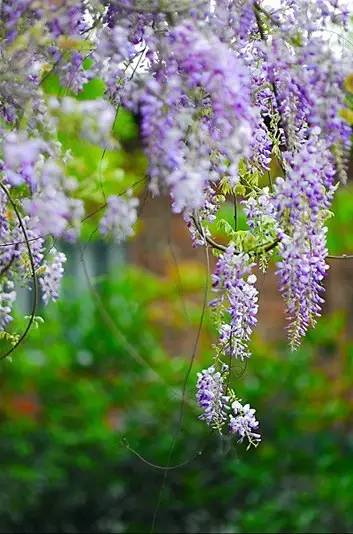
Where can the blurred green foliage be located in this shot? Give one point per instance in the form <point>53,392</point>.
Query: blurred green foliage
<point>74,400</point>
<point>340,238</point>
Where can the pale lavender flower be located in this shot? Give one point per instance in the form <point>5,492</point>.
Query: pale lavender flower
<point>261,148</point>
<point>20,157</point>
<point>7,299</point>
<point>199,109</point>
<point>68,19</point>
<point>243,423</point>
<point>301,202</point>
<point>211,396</point>
<point>50,280</point>
<point>260,210</point>
<point>52,210</point>
<point>239,297</point>
<point>301,272</point>
<point>119,218</point>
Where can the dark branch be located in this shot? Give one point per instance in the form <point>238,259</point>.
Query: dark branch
<point>264,248</point>
<point>341,257</point>
<point>33,275</point>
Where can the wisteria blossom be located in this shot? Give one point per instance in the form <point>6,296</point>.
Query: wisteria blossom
<point>222,410</point>
<point>211,396</point>
<point>301,202</point>
<point>239,104</point>
<point>7,298</point>
<point>243,423</point>
<point>120,217</point>
<point>199,109</point>
<point>51,278</point>
<point>238,300</point>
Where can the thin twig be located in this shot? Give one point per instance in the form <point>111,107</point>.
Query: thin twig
<point>184,399</point>
<point>208,239</point>
<point>235,206</point>
<point>340,257</point>
<point>266,247</point>
<point>157,466</point>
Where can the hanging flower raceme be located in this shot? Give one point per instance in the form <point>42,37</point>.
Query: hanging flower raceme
<point>51,278</point>
<point>7,299</point>
<point>211,396</point>
<point>244,424</point>
<point>237,304</point>
<point>221,409</point>
<point>199,108</point>
<point>302,202</point>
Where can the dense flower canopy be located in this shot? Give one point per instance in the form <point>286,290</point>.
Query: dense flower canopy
<point>227,91</point>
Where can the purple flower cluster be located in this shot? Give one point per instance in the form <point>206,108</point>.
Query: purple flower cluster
<point>211,396</point>
<point>260,211</point>
<point>243,422</point>
<point>221,410</point>
<point>199,108</point>
<point>238,300</point>
<point>20,157</point>
<point>7,299</point>
<point>308,79</point>
<point>50,280</point>
<point>73,75</point>
<point>301,202</point>
<point>119,218</point>
<point>261,148</point>
<point>57,212</point>
<point>301,272</point>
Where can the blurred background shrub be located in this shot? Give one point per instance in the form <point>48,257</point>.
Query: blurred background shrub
<point>77,398</point>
